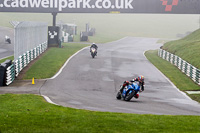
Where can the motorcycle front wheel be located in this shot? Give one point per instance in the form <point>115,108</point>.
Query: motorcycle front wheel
<point>93,55</point>
<point>118,96</point>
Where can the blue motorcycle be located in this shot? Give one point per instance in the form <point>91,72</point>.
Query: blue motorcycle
<point>131,90</point>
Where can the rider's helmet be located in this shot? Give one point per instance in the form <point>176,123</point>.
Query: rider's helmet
<point>141,78</point>
<point>93,45</point>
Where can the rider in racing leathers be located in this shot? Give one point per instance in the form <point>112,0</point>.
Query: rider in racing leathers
<point>140,79</point>
<point>94,46</point>
<point>7,39</point>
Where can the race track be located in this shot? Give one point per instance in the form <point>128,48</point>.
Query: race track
<point>5,48</point>
<point>92,84</point>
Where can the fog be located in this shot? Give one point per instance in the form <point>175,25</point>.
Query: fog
<point>114,26</point>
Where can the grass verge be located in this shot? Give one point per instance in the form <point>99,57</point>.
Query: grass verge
<point>49,64</point>
<point>179,79</point>
<point>8,58</point>
<point>30,113</point>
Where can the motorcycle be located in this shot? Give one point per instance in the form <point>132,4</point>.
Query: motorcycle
<point>8,40</point>
<point>93,52</point>
<point>131,90</point>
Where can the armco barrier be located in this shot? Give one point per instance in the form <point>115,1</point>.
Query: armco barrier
<point>184,66</point>
<point>25,59</point>
<point>10,74</point>
<point>30,41</point>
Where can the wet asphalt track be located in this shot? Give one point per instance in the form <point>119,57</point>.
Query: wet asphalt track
<point>6,49</point>
<point>92,84</point>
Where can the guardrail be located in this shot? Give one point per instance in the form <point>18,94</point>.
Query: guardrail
<point>9,71</point>
<point>10,74</point>
<point>28,35</point>
<point>184,66</point>
<point>27,57</point>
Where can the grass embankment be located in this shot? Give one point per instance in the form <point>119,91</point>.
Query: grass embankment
<point>173,73</point>
<point>52,60</point>
<point>30,113</point>
<point>187,48</point>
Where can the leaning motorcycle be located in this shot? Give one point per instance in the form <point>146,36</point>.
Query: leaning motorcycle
<point>131,90</point>
<point>93,52</point>
<point>8,40</point>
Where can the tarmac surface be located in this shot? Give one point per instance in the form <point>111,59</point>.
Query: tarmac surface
<point>6,49</point>
<point>92,84</point>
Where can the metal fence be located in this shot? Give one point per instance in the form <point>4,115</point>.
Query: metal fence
<point>29,35</point>
<point>27,57</point>
<point>30,41</point>
<point>184,66</point>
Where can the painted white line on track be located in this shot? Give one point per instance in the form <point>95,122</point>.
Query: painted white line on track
<point>72,57</point>
<point>67,63</point>
<point>48,100</point>
<point>5,57</point>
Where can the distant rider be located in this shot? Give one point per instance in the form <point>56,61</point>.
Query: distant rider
<point>94,46</point>
<point>7,39</point>
<point>140,79</point>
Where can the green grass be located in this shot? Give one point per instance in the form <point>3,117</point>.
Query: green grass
<point>30,113</point>
<point>52,60</point>
<point>195,97</point>
<point>8,58</point>
<point>111,27</point>
<point>187,48</point>
<point>179,79</point>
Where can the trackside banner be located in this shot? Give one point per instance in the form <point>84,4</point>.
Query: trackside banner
<point>102,6</point>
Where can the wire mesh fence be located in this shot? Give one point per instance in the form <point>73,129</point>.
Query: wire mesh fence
<point>29,35</point>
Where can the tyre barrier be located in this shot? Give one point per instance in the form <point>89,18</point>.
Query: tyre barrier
<point>7,73</point>
<point>188,69</point>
